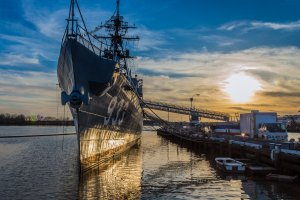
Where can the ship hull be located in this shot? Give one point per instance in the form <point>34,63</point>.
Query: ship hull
<point>111,121</point>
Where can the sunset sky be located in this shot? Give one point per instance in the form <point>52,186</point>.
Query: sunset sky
<point>239,55</point>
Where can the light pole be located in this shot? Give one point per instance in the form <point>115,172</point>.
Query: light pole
<point>192,98</point>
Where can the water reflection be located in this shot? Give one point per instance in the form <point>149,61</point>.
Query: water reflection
<point>119,178</point>
<point>47,168</point>
<point>174,171</point>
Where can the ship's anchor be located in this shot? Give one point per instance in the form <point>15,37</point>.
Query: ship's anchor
<point>76,98</point>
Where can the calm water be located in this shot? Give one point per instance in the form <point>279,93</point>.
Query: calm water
<point>46,168</point>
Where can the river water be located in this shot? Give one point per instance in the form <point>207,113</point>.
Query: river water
<point>46,168</point>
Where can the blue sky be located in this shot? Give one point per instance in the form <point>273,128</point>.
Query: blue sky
<point>186,47</point>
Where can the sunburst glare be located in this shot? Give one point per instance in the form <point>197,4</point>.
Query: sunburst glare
<point>241,87</point>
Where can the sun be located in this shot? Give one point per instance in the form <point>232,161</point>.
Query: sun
<point>241,87</point>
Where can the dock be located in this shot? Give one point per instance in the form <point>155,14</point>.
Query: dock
<point>283,156</point>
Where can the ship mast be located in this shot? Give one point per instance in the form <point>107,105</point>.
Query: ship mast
<point>118,7</point>
<point>71,19</point>
<point>117,39</point>
<point>117,30</point>
<point>72,24</point>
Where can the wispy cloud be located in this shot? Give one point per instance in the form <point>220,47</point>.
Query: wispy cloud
<point>170,74</point>
<point>281,94</point>
<point>28,92</point>
<point>27,78</point>
<point>220,40</point>
<point>277,26</point>
<point>233,25</point>
<point>252,25</point>
<point>24,51</point>
<point>149,39</point>
<point>48,22</point>
<point>17,60</point>
<point>241,109</point>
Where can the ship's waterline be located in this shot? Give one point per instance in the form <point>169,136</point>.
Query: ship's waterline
<point>98,145</point>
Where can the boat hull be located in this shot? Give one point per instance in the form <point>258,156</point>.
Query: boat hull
<point>110,121</point>
<point>231,169</point>
<point>229,165</point>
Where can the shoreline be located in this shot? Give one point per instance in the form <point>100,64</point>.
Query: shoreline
<point>39,123</point>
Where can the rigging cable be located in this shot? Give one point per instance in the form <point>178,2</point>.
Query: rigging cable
<point>57,105</point>
<point>62,145</point>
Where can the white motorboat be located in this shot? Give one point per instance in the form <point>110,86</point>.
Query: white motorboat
<point>230,165</point>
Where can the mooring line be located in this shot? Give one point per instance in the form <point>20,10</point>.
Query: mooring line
<point>43,135</point>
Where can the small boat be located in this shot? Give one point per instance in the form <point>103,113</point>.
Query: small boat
<point>281,178</point>
<point>230,165</point>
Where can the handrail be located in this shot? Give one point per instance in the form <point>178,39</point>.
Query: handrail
<point>87,42</point>
<point>87,33</point>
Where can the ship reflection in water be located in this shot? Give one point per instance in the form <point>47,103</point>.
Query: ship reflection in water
<point>47,168</point>
<point>119,178</point>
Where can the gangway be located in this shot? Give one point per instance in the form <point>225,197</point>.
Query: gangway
<point>185,110</point>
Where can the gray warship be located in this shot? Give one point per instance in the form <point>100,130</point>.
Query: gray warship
<point>97,85</point>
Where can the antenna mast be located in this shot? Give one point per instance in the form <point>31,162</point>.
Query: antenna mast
<point>118,7</point>
<point>117,30</point>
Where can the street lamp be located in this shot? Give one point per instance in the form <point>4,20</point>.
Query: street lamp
<point>192,98</point>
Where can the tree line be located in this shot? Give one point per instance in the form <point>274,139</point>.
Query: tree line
<point>21,119</point>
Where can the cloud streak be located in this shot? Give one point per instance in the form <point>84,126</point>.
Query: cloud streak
<point>277,26</point>
<point>149,39</point>
<point>281,94</point>
<point>169,74</point>
<point>17,60</point>
<point>252,25</point>
<point>28,92</point>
